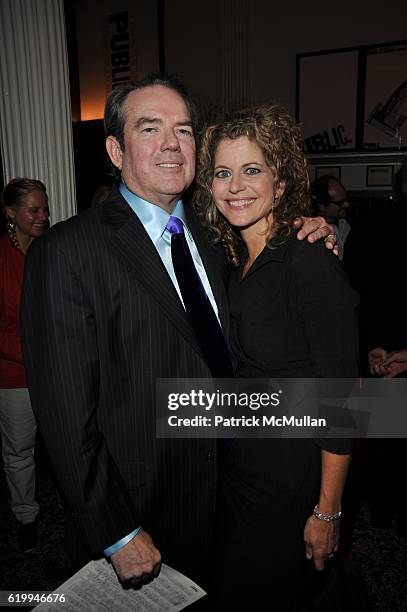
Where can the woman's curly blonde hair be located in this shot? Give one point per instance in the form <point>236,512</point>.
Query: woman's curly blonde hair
<point>280,140</point>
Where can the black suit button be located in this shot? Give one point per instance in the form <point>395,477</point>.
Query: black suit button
<point>210,457</point>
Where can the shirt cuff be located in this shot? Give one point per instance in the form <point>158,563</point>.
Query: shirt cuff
<point>118,545</point>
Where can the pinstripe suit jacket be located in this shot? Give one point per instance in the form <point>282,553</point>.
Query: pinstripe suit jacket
<point>101,321</point>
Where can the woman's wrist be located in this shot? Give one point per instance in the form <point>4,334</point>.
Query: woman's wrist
<point>325,515</point>
<point>329,508</point>
<point>330,503</point>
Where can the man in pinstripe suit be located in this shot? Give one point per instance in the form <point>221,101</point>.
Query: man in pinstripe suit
<point>102,319</point>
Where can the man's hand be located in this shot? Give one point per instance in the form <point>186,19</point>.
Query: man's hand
<point>321,540</point>
<point>376,359</point>
<point>315,228</point>
<point>395,363</point>
<point>137,562</point>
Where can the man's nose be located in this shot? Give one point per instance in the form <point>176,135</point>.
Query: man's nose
<point>170,141</point>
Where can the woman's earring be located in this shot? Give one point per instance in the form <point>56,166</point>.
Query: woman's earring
<point>11,224</point>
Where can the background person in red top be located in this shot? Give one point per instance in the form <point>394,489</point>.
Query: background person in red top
<point>26,206</point>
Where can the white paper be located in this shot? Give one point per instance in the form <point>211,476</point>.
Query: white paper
<point>95,588</point>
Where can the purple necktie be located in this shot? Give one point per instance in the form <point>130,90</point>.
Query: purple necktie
<point>197,304</point>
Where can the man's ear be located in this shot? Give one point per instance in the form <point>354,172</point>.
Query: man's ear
<point>114,151</point>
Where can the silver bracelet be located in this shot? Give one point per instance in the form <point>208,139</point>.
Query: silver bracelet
<point>326,517</point>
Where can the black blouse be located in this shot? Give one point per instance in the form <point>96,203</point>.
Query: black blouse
<point>294,315</point>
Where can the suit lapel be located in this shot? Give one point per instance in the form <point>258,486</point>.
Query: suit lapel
<point>134,246</point>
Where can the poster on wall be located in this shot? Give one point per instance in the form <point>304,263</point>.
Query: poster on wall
<point>326,100</point>
<point>120,46</point>
<point>385,121</point>
<point>115,46</point>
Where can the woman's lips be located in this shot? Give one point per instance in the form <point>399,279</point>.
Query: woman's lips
<point>241,203</point>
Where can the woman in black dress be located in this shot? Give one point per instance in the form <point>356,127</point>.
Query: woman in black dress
<point>292,315</point>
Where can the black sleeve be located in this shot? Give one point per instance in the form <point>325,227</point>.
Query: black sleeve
<point>61,357</point>
<point>328,307</point>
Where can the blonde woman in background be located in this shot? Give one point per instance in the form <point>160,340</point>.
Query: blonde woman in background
<point>25,204</point>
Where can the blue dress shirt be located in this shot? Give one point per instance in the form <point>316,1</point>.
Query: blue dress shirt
<point>154,220</point>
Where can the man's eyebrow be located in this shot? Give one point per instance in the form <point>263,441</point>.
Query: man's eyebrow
<point>144,120</point>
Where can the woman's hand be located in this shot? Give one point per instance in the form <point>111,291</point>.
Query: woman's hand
<point>321,540</point>
<point>316,228</point>
<point>376,359</point>
<point>322,536</point>
<point>395,363</point>
<point>387,365</point>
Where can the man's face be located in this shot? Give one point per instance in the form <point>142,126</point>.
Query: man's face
<point>158,160</point>
<point>337,207</point>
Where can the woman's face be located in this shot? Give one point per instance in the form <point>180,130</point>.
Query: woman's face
<point>243,186</point>
<point>31,214</point>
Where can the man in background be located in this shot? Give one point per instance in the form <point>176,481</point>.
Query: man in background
<point>330,200</point>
